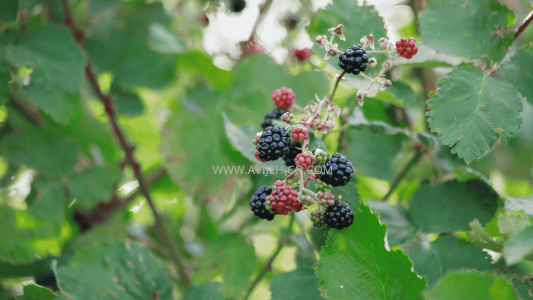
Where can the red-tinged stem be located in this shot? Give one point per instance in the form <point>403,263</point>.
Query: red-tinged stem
<point>129,159</point>
<point>33,115</point>
<point>528,20</point>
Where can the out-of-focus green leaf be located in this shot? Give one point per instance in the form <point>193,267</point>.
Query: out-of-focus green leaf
<point>472,111</point>
<point>93,185</point>
<point>36,292</point>
<point>241,138</point>
<point>348,193</point>
<point>162,40</point>
<point>356,265</point>
<point>203,63</point>
<point>45,151</point>
<point>470,28</point>
<point>205,291</point>
<point>481,239</point>
<point>127,103</point>
<point>57,63</point>
<point>445,254</point>
<point>118,270</point>
<point>5,80</point>
<point>429,58</point>
<point>451,205</point>
<point>300,284</point>
<point>225,257</point>
<point>120,42</point>
<point>516,72</point>
<point>399,227</point>
<point>508,224</point>
<point>519,245</point>
<point>49,205</point>
<point>472,285</point>
<point>9,10</point>
<point>371,154</point>
<point>524,204</point>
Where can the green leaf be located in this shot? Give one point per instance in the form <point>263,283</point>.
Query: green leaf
<point>203,63</point>
<point>472,111</point>
<point>241,138</point>
<point>162,40</point>
<point>524,204</point>
<point>470,28</point>
<point>356,265</point>
<point>127,102</point>
<point>451,205</point>
<point>225,256</point>
<point>58,70</point>
<point>516,72</point>
<point>45,151</point>
<point>93,185</point>
<point>371,154</point>
<point>9,10</point>
<point>118,270</point>
<point>445,254</point>
<point>205,291</point>
<point>348,193</point>
<point>399,227</point>
<point>398,94</point>
<point>49,205</point>
<point>508,224</point>
<point>36,292</point>
<point>429,58</point>
<point>519,246</point>
<point>481,239</point>
<point>358,120</point>
<point>300,284</point>
<point>5,81</point>
<point>121,41</point>
<point>472,285</point>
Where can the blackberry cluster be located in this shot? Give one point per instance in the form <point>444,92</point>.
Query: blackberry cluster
<point>274,142</point>
<point>290,155</point>
<point>258,203</point>
<point>354,60</point>
<point>336,170</point>
<point>339,215</point>
<point>273,115</point>
<point>237,5</point>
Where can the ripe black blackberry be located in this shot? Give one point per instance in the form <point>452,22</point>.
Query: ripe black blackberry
<point>354,60</point>
<point>290,155</point>
<point>274,142</point>
<point>273,115</point>
<point>336,170</point>
<point>339,215</point>
<point>258,203</point>
<point>237,5</point>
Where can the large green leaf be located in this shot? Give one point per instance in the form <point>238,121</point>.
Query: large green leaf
<point>372,154</point>
<point>399,226</point>
<point>472,285</point>
<point>233,258</point>
<point>519,246</point>
<point>203,63</point>
<point>45,151</point>
<point>450,206</point>
<point>524,204</point>
<point>356,265</point>
<point>509,224</point>
<point>472,111</point>
<point>206,291</point>
<point>9,10</point>
<point>122,40</point>
<point>444,255</point>
<point>93,185</point>
<point>516,71</point>
<point>429,58</point>
<point>5,80</point>
<point>300,284</point>
<point>48,207</point>
<point>57,63</point>
<point>481,239</point>
<point>118,270</point>
<point>467,29</point>
<point>36,292</point>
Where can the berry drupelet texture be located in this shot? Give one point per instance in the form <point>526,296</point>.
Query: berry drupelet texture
<point>273,143</point>
<point>284,199</point>
<point>273,115</point>
<point>339,215</point>
<point>354,60</point>
<point>289,156</point>
<point>407,48</point>
<point>336,170</point>
<point>258,203</point>
<point>283,97</point>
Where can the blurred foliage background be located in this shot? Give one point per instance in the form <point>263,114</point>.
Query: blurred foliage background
<point>182,75</point>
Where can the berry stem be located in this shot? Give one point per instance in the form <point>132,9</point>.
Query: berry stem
<point>281,242</point>
<point>524,25</point>
<point>400,176</point>
<point>128,149</point>
<point>336,85</point>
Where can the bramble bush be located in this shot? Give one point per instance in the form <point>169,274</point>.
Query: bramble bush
<point>152,150</point>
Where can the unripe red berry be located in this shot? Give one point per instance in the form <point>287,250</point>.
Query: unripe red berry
<point>301,55</point>
<point>300,134</point>
<point>283,97</point>
<point>303,160</point>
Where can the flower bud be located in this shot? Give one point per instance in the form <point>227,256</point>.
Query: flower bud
<point>360,98</point>
<point>321,40</point>
<point>383,43</point>
<point>372,62</point>
<point>387,64</point>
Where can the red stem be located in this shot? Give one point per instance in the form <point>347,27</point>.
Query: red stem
<point>524,25</point>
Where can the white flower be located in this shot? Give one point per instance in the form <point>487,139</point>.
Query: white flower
<point>331,51</point>
<point>338,32</point>
<point>321,40</point>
